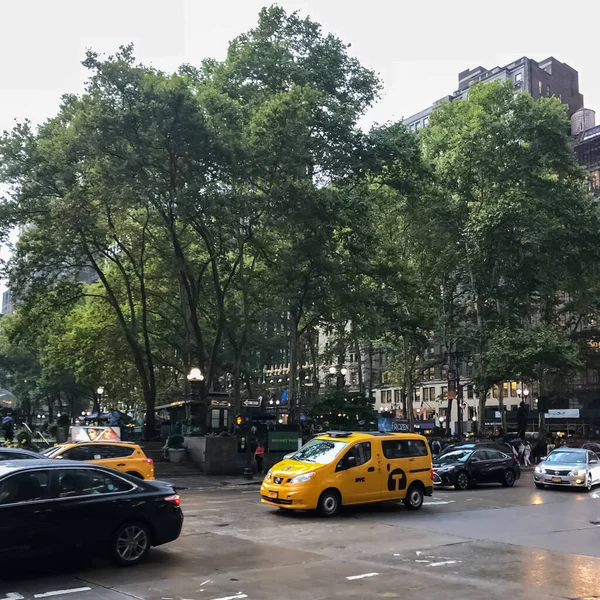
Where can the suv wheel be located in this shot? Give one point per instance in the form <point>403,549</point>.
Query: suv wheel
<point>130,544</point>
<point>509,478</point>
<point>329,503</point>
<point>414,497</point>
<point>462,481</point>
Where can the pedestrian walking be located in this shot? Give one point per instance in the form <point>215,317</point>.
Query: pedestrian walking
<point>114,418</point>
<point>521,449</point>
<point>436,447</point>
<point>259,457</point>
<point>8,427</point>
<point>526,454</point>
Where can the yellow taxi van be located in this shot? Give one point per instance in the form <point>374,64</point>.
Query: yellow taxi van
<point>343,467</point>
<point>121,456</point>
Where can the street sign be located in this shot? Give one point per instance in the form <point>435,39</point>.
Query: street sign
<point>565,413</point>
<point>252,403</point>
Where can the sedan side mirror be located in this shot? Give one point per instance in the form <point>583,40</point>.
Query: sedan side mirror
<point>474,459</point>
<point>543,458</point>
<point>594,461</point>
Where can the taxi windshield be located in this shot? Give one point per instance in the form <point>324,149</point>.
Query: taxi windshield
<point>321,452</point>
<point>53,450</point>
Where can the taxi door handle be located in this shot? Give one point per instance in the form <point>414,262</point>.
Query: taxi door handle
<point>371,469</point>
<point>121,465</point>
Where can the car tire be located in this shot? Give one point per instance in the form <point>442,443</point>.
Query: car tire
<point>130,544</point>
<point>509,478</point>
<point>414,497</point>
<point>330,503</point>
<point>135,474</point>
<point>539,486</point>
<point>463,481</point>
<point>589,484</point>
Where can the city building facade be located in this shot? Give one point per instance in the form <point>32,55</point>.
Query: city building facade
<point>546,78</point>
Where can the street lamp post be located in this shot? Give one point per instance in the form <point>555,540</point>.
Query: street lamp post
<point>100,392</point>
<point>340,375</point>
<point>196,381</point>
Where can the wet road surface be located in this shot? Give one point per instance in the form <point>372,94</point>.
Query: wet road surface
<point>488,543</point>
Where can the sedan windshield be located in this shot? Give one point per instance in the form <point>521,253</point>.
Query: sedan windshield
<point>567,458</point>
<point>453,457</point>
<point>319,451</point>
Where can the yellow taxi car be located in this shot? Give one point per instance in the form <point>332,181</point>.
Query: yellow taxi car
<point>343,467</point>
<point>122,456</point>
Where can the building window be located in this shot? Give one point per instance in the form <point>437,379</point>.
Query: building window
<point>540,87</point>
<point>548,91</point>
<point>505,389</point>
<point>470,391</point>
<point>396,396</point>
<point>595,181</point>
<point>425,121</point>
<point>518,77</point>
<point>513,389</point>
<point>417,125</point>
<point>444,392</point>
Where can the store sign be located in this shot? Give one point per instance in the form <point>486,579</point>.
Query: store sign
<point>387,425</point>
<point>423,425</point>
<point>283,441</point>
<point>94,434</point>
<point>564,413</point>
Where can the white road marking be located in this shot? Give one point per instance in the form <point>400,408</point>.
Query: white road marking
<point>352,577</point>
<point>14,596</point>
<point>205,582</point>
<point>443,563</point>
<point>422,561</point>
<point>62,592</point>
<point>439,502</point>
<point>240,595</point>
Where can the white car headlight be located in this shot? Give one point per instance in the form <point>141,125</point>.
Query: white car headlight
<point>578,472</point>
<point>539,470</point>
<point>302,478</point>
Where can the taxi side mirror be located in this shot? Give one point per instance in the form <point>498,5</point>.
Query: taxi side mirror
<point>350,462</point>
<point>288,456</point>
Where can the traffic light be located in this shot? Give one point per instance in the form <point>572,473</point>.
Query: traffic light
<point>239,420</point>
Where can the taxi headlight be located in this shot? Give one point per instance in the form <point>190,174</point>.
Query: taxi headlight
<point>578,472</point>
<point>302,478</point>
<point>268,475</point>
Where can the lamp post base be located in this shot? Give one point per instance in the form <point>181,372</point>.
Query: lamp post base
<point>248,473</point>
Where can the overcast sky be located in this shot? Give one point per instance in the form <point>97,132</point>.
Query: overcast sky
<point>418,48</point>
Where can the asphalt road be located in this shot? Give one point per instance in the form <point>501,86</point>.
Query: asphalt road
<point>491,543</point>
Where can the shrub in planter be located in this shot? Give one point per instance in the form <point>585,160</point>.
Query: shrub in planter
<point>175,448</point>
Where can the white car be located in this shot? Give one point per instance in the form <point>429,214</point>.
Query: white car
<point>575,467</point>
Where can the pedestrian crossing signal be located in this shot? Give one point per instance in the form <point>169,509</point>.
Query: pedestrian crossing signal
<point>239,420</point>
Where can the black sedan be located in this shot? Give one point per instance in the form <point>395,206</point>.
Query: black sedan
<point>49,506</point>
<point>18,454</point>
<point>473,464</point>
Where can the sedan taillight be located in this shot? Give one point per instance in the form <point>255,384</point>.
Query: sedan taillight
<point>432,472</point>
<point>174,499</point>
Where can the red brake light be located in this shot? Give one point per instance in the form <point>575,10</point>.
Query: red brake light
<point>515,457</point>
<point>431,473</point>
<point>174,499</point>
<point>148,460</point>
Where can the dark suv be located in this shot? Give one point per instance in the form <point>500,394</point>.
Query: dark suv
<point>466,465</point>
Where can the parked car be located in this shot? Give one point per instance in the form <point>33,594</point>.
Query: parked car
<point>18,454</point>
<point>471,464</point>
<point>121,456</point>
<point>503,447</point>
<point>574,467</point>
<point>49,506</point>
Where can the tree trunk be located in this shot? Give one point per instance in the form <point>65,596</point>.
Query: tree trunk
<point>370,371</point>
<point>501,407</point>
<point>361,385</point>
<point>237,386</point>
<point>408,382</point>
<point>293,373</point>
<point>449,417</point>
<point>481,415</point>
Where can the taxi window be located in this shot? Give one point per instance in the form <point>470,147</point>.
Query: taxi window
<point>403,448</point>
<point>362,453</point>
<point>25,487</point>
<point>77,453</point>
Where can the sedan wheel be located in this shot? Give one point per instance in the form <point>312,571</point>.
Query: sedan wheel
<point>588,484</point>
<point>131,544</point>
<point>462,481</point>
<point>509,478</point>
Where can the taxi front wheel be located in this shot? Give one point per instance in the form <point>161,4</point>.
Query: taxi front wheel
<point>330,503</point>
<point>414,497</point>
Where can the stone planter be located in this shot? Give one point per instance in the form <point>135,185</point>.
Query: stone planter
<point>176,455</point>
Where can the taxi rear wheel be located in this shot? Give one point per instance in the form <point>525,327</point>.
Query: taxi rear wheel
<point>330,503</point>
<point>414,497</point>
